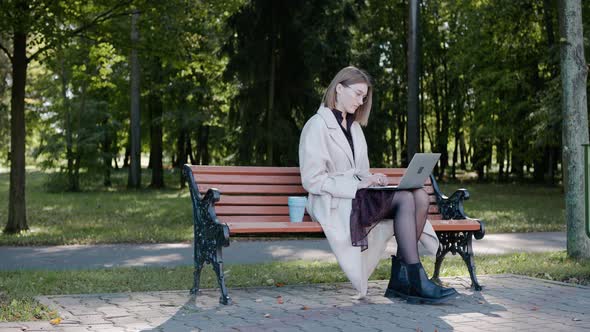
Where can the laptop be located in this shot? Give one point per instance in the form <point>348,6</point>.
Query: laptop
<point>418,170</point>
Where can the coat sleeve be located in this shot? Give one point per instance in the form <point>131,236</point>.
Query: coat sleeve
<point>313,160</point>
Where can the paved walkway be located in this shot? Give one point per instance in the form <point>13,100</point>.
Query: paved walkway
<point>125,255</point>
<point>508,303</point>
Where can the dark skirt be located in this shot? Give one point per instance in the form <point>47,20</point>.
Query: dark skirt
<point>368,208</point>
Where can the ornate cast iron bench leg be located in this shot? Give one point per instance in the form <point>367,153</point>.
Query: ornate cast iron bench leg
<point>467,256</point>
<point>217,264</point>
<point>197,277</point>
<point>456,243</point>
<point>440,257</point>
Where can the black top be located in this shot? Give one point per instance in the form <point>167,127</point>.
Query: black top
<point>346,131</point>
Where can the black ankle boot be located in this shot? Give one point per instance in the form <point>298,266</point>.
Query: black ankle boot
<point>399,285</point>
<point>423,290</point>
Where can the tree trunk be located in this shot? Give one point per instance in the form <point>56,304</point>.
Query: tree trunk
<point>127,155</point>
<point>156,110</point>
<point>271,93</point>
<point>107,157</point>
<point>68,123</point>
<point>401,126</point>
<point>17,212</point>
<point>394,162</point>
<point>438,116</point>
<point>75,184</point>
<point>500,156</point>
<point>464,152</point>
<point>203,146</point>
<point>189,151</point>
<point>134,180</point>
<point>181,154</point>
<point>444,130</point>
<point>454,166</point>
<point>574,72</point>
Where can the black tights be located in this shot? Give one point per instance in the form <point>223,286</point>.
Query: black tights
<point>410,209</point>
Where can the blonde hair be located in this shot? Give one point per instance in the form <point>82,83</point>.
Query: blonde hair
<point>348,76</point>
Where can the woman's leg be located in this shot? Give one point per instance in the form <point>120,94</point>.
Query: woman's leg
<point>404,225</point>
<point>408,278</point>
<point>422,202</point>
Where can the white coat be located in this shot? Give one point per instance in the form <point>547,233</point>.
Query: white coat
<point>330,175</point>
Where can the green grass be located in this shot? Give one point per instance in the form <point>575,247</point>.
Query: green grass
<point>117,215</point>
<point>101,215</point>
<point>18,288</point>
<point>509,208</point>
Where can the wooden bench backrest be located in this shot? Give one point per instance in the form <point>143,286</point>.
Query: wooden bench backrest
<point>259,194</point>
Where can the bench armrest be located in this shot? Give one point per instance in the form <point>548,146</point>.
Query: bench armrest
<point>211,197</point>
<point>205,222</point>
<point>452,207</point>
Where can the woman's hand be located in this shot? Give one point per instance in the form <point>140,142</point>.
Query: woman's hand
<point>376,179</point>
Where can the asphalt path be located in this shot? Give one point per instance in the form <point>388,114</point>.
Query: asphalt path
<point>240,251</point>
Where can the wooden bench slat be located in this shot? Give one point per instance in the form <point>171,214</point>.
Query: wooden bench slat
<point>252,200</point>
<point>201,178</point>
<point>455,225</point>
<point>269,200</point>
<point>265,189</point>
<point>391,173</point>
<point>245,170</point>
<point>262,219</point>
<point>268,210</point>
<point>274,170</point>
<point>313,227</point>
<point>274,227</point>
<point>255,189</point>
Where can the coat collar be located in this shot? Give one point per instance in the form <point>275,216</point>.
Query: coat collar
<point>337,134</point>
<point>328,117</point>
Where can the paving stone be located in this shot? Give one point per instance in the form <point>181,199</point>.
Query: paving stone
<point>508,302</point>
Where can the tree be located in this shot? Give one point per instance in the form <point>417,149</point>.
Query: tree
<point>574,72</point>
<point>34,28</point>
<point>135,127</point>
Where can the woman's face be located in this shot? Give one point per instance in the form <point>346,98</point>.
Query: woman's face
<point>350,97</point>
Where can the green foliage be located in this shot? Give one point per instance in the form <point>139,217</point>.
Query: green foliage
<point>490,78</point>
<point>287,50</point>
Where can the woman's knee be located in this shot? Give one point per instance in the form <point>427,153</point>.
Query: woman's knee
<point>420,195</point>
<point>403,197</point>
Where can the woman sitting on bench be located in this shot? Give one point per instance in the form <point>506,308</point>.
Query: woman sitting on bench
<point>359,222</point>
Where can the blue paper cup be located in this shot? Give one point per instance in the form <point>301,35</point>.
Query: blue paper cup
<point>297,208</point>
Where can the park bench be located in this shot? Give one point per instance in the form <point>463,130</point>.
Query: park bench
<point>254,202</point>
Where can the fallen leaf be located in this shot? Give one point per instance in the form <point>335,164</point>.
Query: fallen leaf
<point>305,307</point>
<point>535,308</point>
<point>279,299</point>
<point>279,284</point>
<point>266,315</point>
<point>481,302</point>
<point>55,321</point>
